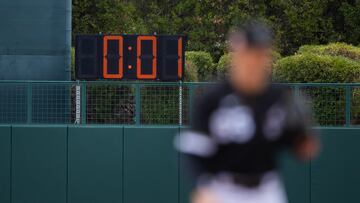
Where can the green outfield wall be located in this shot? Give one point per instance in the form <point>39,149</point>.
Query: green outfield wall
<point>98,164</point>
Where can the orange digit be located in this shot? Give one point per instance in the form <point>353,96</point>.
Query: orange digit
<point>138,61</point>
<point>105,61</point>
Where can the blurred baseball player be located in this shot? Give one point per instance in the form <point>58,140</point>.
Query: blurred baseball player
<point>240,125</point>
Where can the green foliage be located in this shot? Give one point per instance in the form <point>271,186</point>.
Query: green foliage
<point>204,64</point>
<point>276,56</point>
<point>207,22</point>
<point>301,22</point>
<point>351,21</point>
<point>223,66</point>
<point>191,72</point>
<point>333,49</point>
<point>309,67</point>
<point>106,16</point>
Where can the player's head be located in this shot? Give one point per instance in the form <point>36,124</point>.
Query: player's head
<point>250,46</point>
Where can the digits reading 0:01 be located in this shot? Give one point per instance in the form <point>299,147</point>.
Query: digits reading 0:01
<point>148,57</point>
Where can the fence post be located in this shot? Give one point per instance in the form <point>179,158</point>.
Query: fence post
<point>191,102</point>
<point>296,91</point>
<point>180,103</point>
<point>347,105</point>
<point>137,104</point>
<point>83,102</point>
<point>29,102</point>
<point>77,103</point>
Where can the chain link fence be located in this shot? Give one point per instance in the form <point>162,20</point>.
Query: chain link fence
<point>147,103</point>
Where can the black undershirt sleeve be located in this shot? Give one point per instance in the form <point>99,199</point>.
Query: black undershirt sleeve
<point>299,120</point>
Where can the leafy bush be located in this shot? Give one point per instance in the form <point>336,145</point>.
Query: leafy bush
<point>328,102</point>
<point>204,64</point>
<point>191,72</point>
<point>276,56</point>
<point>333,49</point>
<point>223,66</point>
<point>316,68</point>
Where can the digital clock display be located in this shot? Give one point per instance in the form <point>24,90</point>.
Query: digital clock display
<point>144,57</point>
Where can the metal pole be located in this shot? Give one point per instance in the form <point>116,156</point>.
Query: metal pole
<point>347,105</point>
<point>180,103</point>
<point>29,102</point>
<point>137,104</point>
<point>191,102</point>
<point>83,103</point>
<point>296,91</point>
<point>77,103</point>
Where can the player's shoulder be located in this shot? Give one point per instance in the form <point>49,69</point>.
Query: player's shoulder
<point>277,93</point>
<point>280,90</point>
<point>278,87</point>
<point>210,97</point>
<point>215,91</point>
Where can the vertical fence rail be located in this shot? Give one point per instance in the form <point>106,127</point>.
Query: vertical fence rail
<point>29,102</point>
<point>137,104</point>
<point>190,103</point>
<point>180,104</point>
<point>83,106</point>
<point>347,105</point>
<point>296,92</point>
<point>77,103</point>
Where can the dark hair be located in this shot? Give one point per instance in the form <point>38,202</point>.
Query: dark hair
<point>253,33</point>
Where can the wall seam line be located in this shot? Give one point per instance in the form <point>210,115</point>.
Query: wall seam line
<point>11,161</point>
<point>310,164</point>
<point>122,165</point>
<point>67,164</point>
<point>179,168</point>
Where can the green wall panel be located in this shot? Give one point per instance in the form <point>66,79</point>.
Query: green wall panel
<point>5,157</point>
<point>95,164</point>
<point>150,165</point>
<point>185,185</point>
<point>335,174</point>
<point>39,164</point>
<point>296,176</point>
